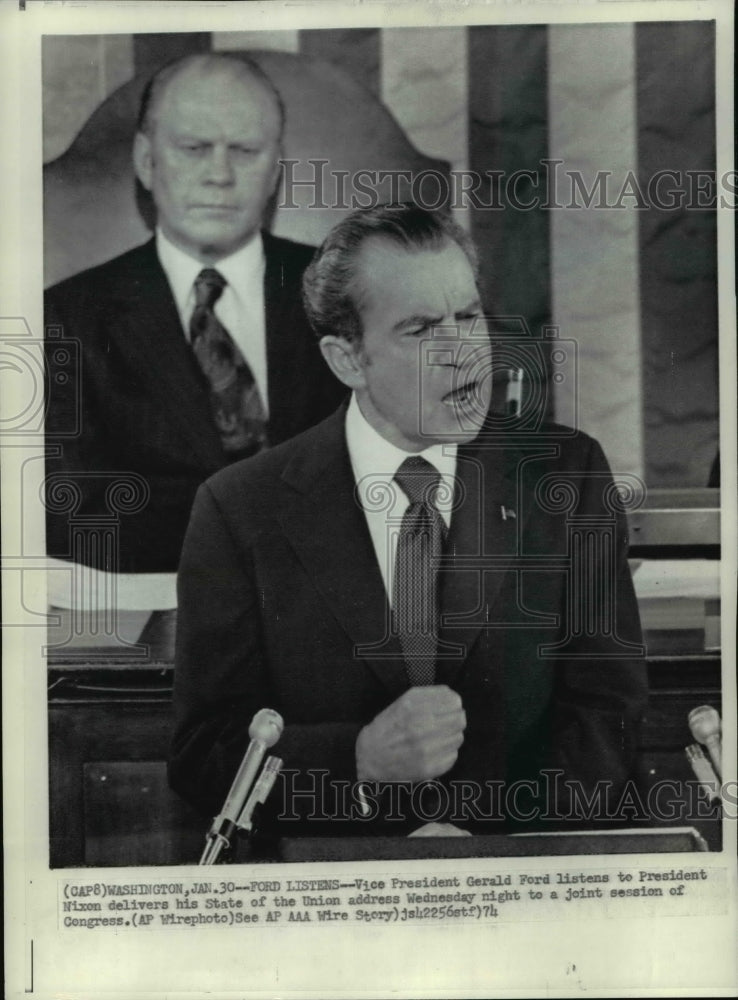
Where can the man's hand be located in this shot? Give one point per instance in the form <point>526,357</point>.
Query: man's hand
<point>416,738</point>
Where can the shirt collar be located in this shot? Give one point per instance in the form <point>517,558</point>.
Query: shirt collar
<point>374,456</point>
<point>238,269</point>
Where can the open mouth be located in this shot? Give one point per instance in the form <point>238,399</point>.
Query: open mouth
<point>462,395</point>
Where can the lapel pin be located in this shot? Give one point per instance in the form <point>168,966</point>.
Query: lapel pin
<point>507,513</point>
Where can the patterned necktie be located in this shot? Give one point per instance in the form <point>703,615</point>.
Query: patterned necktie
<point>415,589</point>
<point>234,395</point>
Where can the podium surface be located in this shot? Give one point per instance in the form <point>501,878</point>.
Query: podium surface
<point>301,849</point>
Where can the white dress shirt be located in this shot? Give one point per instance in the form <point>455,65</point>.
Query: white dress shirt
<point>241,306</point>
<point>374,462</point>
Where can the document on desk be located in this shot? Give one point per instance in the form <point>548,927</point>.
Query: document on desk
<point>73,585</point>
<point>677,578</point>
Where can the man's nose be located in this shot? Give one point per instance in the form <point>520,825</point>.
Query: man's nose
<point>219,166</point>
<point>473,358</point>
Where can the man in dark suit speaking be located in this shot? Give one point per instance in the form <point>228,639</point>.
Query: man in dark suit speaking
<point>400,582</point>
<point>194,348</point>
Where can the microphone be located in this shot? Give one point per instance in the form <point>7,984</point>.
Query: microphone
<point>704,725</point>
<point>703,771</point>
<point>265,729</point>
<point>259,792</point>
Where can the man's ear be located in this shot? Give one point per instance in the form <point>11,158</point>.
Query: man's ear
<point>278,169</point>
<point>143,159</point>
<point>344,358</point>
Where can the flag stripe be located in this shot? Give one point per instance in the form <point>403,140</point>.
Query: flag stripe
<point>678,253</point>
<point>507,132</point>
<point>594,251</point>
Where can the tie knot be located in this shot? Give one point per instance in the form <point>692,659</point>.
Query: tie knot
<point>209,285</point>
<point>419,480</point>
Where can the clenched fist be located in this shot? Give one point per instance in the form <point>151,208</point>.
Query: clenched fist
<point>416,738</point>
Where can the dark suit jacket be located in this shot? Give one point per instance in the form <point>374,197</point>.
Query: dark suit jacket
<point>137,401</point>
<point>279,590</point>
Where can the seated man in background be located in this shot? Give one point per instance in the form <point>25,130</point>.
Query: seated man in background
<point>397,582</point>
<point>194,348</point>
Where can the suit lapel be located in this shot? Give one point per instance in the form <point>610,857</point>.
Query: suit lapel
<point>485,535</point>
<point>146,320</point>
<point>327,529</point>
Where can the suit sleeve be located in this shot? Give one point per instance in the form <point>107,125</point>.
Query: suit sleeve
<point>113,456</point>
<point>601,686</point>
<point>222,678</point>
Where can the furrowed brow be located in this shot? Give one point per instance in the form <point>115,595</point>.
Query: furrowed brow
<point>474,306</point>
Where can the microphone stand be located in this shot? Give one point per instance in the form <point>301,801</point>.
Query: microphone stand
<point>221,832</point>
<point>264,731</point>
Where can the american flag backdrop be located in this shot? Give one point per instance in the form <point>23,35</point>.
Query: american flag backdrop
<point>630,280</point>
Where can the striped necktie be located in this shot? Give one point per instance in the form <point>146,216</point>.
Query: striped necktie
<point>415,588</point>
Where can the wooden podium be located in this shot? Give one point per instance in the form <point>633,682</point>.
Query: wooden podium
<point>110,719</point>
<point>109,733</point>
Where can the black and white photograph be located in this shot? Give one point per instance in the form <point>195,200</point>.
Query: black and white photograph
<point>372,499</point>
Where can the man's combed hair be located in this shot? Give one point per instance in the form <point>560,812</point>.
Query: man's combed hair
<point>329,285</point>
<point>207,62</point>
